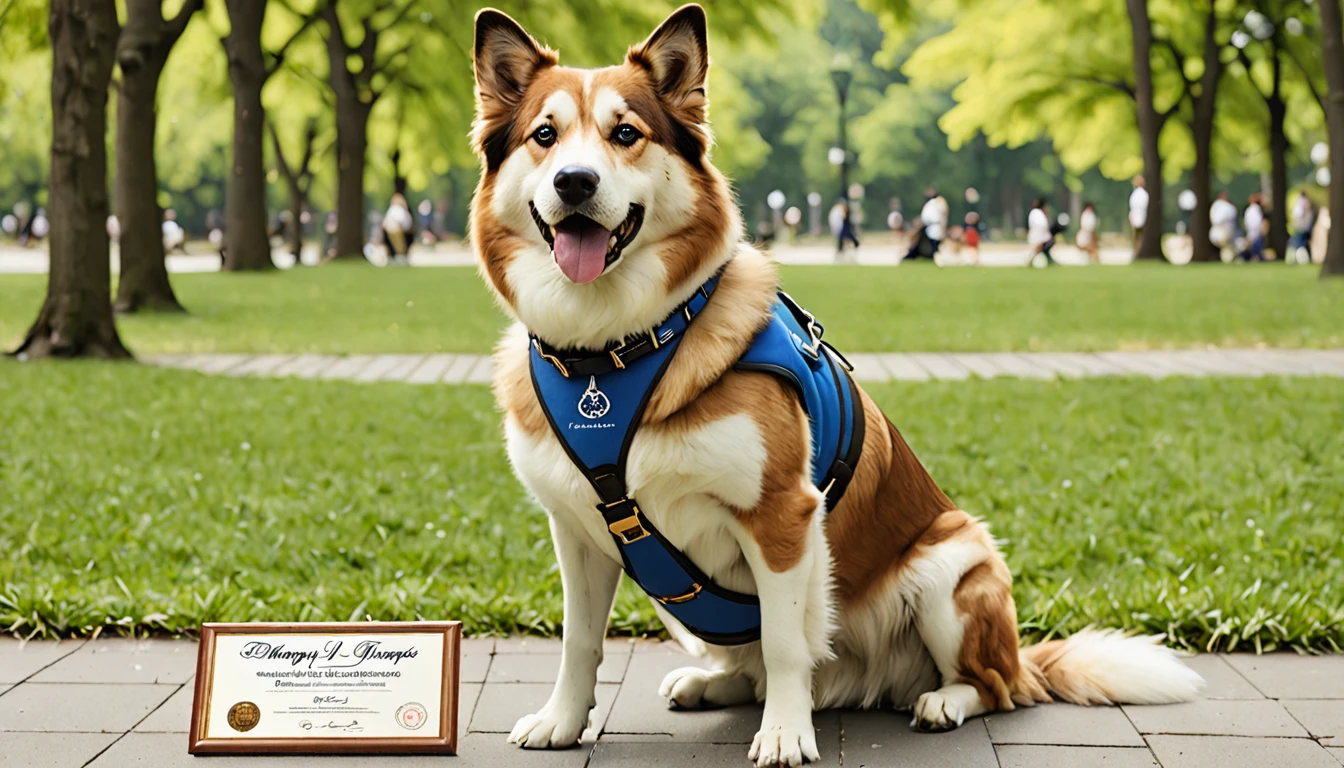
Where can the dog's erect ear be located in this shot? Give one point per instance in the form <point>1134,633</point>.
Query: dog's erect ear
<point>506,59</point>
<point>676,56</point>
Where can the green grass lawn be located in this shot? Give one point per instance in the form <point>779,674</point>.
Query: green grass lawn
<point>353,308</point>
<point>141,499</point>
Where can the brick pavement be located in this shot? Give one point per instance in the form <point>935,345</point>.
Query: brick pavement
<point>115,702</point>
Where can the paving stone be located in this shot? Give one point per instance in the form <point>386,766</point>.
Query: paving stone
<point>1037,756</point>
<point>125,660</point>
<point>544,667</point>
<point>493,750</point>
<point>1062,364</point>
<point>1019,366</point>
<point>867,367</point>
<point>474,667</point>
<point>940,366</point>
<point>85,708</point>
<point>883,739</point>
<point>482,372</point>
<point>261,365</point>
<point>979,365</point>
<point>904,368</point>
<point>169,750</point>
<point>1217,718</point>
<point>1064,724</point>
<point>635,738</point>
<point>430,370</point>
<point>52,750</point>
<point>1091,364</point>
<point>347,367</point>
<point>458,370</point>
<point>639,708</point>
<point>673,755</point>
<point>1323,719</point>
<point>502,705</point>
<point>217,364</point>
<point>1234,752</point>
<point>173,716</point>
<point>1222,680</point>
<point>306,366</point>
<point>19,661</point>
<point>1290,675</point>
<point>527,645</point>
<point>388,368</point>
<point>1135,364</point>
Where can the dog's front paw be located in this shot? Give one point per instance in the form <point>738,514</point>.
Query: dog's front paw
<point>936,712</point>
<point>783,746</point>
<point>548,730</point>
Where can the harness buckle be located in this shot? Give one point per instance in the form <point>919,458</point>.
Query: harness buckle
<point>628,529</point>
<point>695,592</point>
<point>813,333</point>
<point>615,358</point>
<point>552,359</point>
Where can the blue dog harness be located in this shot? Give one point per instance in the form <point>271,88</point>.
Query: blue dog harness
<point>595,402</point>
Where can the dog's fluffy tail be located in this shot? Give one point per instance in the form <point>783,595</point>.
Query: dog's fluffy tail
<point>1106,666</point>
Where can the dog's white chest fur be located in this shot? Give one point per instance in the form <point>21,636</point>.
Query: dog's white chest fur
<point>681,479</point>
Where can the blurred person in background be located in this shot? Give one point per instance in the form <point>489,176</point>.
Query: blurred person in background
<point>1254,222</point>
<point>1304,218</point>
<point>114,228</point>
<point>1223,223</point>
<point>1040,235</point>
<point>971,237</point>
<point>39,227</point>
<point>1138,210</point>
<point>426,211</point>
<point>174,237</point>
<point>398,228</point>
<point>1320,235</point>
<point>1087,234</point>
<point>843,229</point>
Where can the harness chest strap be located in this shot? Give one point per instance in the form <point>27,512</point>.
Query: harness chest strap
<point>594,403</point>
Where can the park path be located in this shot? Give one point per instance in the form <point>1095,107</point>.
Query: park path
<point>114,702</point>
<point>868,367</point>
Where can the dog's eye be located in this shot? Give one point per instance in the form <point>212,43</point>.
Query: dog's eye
<point>544,136</point>
<point>626,134</point>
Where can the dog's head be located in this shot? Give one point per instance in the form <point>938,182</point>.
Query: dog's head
<point>598,209</point>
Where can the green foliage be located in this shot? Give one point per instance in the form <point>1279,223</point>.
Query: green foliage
<point>135,500</point>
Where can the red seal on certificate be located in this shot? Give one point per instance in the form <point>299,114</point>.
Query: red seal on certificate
<point>411,716</point>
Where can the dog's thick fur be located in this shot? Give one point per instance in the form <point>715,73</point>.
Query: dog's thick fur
<point>896,597</point>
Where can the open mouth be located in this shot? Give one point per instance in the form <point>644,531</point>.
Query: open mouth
<point>583,249</point>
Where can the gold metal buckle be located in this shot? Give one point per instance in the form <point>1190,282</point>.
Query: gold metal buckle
<point>552,359</point>
<point>629,529</point>
<point>615,358</point>
<point>695,590</point>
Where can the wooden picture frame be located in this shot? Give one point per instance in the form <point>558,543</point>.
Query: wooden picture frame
<point>443,740</point>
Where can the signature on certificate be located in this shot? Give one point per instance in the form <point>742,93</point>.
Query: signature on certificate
<point>351,727</point>
<point>331,699</point>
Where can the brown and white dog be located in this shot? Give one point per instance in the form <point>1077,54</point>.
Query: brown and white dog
<point>597,214</point>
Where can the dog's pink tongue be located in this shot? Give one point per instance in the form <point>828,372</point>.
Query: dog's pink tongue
<point>581,248</point>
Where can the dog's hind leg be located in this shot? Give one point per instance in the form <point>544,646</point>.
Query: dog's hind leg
<point>696,688</point>
<point>967,620</point>
<point>589,579</point>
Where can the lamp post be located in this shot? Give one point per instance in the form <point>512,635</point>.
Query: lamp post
<point>842,72</point>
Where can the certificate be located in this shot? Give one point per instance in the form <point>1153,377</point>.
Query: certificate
<point>359,687</point>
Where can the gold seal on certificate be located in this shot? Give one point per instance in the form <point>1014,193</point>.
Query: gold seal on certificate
<point>365,687</point>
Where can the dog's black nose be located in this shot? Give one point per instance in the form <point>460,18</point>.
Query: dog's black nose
<point>575,184</point>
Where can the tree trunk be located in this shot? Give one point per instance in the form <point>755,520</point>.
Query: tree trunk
<point>1278,153</point>
<point>76,317</point>
<point>352,125</point>
<point>246,246</point>
<point>1205,107</point>
<point>1332,55</point>
<point>144,275</point>
<point>1150,128</point>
